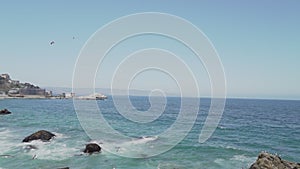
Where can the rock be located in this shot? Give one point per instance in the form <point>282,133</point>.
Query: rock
<point>270,161</point>
<point>4,111</point>
<point>64,168</point>
<point>6,156</point>
<point>40,135</point>
<point>92,148</point>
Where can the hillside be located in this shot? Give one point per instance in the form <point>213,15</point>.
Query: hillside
<point>16,88</point>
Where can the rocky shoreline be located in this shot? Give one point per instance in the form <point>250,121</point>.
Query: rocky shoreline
<point>269,161</point>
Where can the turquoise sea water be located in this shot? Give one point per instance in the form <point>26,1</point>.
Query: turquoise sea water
<point>247,127</point>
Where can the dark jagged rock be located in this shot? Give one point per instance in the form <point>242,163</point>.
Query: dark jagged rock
<point>92,148</point>
<point>40,135</point>
<point>270,161</point>
<point>64,168</point>
<point>4,111</point>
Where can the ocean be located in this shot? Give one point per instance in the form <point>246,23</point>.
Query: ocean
<point>247,127</point>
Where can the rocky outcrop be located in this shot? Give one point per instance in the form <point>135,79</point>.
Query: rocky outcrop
<point>4,112</point>
<point>14,88</point>
<point>92,148</point>
<point>270,161</point>
<point>40,135</point>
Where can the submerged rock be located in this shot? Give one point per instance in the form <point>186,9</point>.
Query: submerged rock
<point>6,156</point>
<point>40,135</point>
<point>4,111</point>
<point>30,147</point>
<point>92,148</point>
<point>270,161</point>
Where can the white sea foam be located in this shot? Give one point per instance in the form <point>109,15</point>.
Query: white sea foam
<point>143,140</point>
<point>242,158</point>
<point>221,127</point>
<point>122,148</point>
<point>6,141</point>
<point>236,161</point>
<point>60,135</point>
<point>168,166</point>
<point>52,150</point>
<point>224,146</point>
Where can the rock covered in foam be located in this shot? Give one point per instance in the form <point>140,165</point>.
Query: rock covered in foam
<point>40,135</point>
<point>270,161</point>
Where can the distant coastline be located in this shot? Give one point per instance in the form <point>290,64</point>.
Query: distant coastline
<point>14,89</point>
<point>10,88</point>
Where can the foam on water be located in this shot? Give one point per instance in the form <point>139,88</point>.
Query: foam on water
<point>143,140</point>
<point>221,127</point>
<point>236,161</point>
<point>6,141</point>
<point>60,135</point>
<point>169,166</point>
<point>243,158</point>
<point>56,149</point>
<point>223,146</point>
<point>122,148</point>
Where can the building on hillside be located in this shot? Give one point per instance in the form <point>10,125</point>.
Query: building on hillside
<point>69,95</point>
<point>15,82</point>
<point>32,91</point>
<point>48,94</point>
<point>5,76</point>
<point>3,94</point>
<point>13,91</point>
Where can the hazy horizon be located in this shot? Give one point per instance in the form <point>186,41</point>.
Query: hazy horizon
<point>257,42</point>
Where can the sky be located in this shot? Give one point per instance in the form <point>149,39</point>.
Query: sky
<point>258,42</point>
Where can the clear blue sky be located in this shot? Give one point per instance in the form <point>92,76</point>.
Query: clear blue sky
<point>258,41</point>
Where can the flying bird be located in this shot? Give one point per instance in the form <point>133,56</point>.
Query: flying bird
<point>52,43</point>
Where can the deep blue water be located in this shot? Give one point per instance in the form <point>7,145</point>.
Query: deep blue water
<point>247,127</point>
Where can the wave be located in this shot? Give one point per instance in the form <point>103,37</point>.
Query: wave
<point>50,150</point>
<point>223,146</point>
<point>169,166</point>
<point>236,161</point>
<point>57,148</point>
<point>60,135</point>
<point>222,127</point>
<point>122,148</point>
<point>6,141</point>
<point>243,158</point>
<point>144,139</point>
